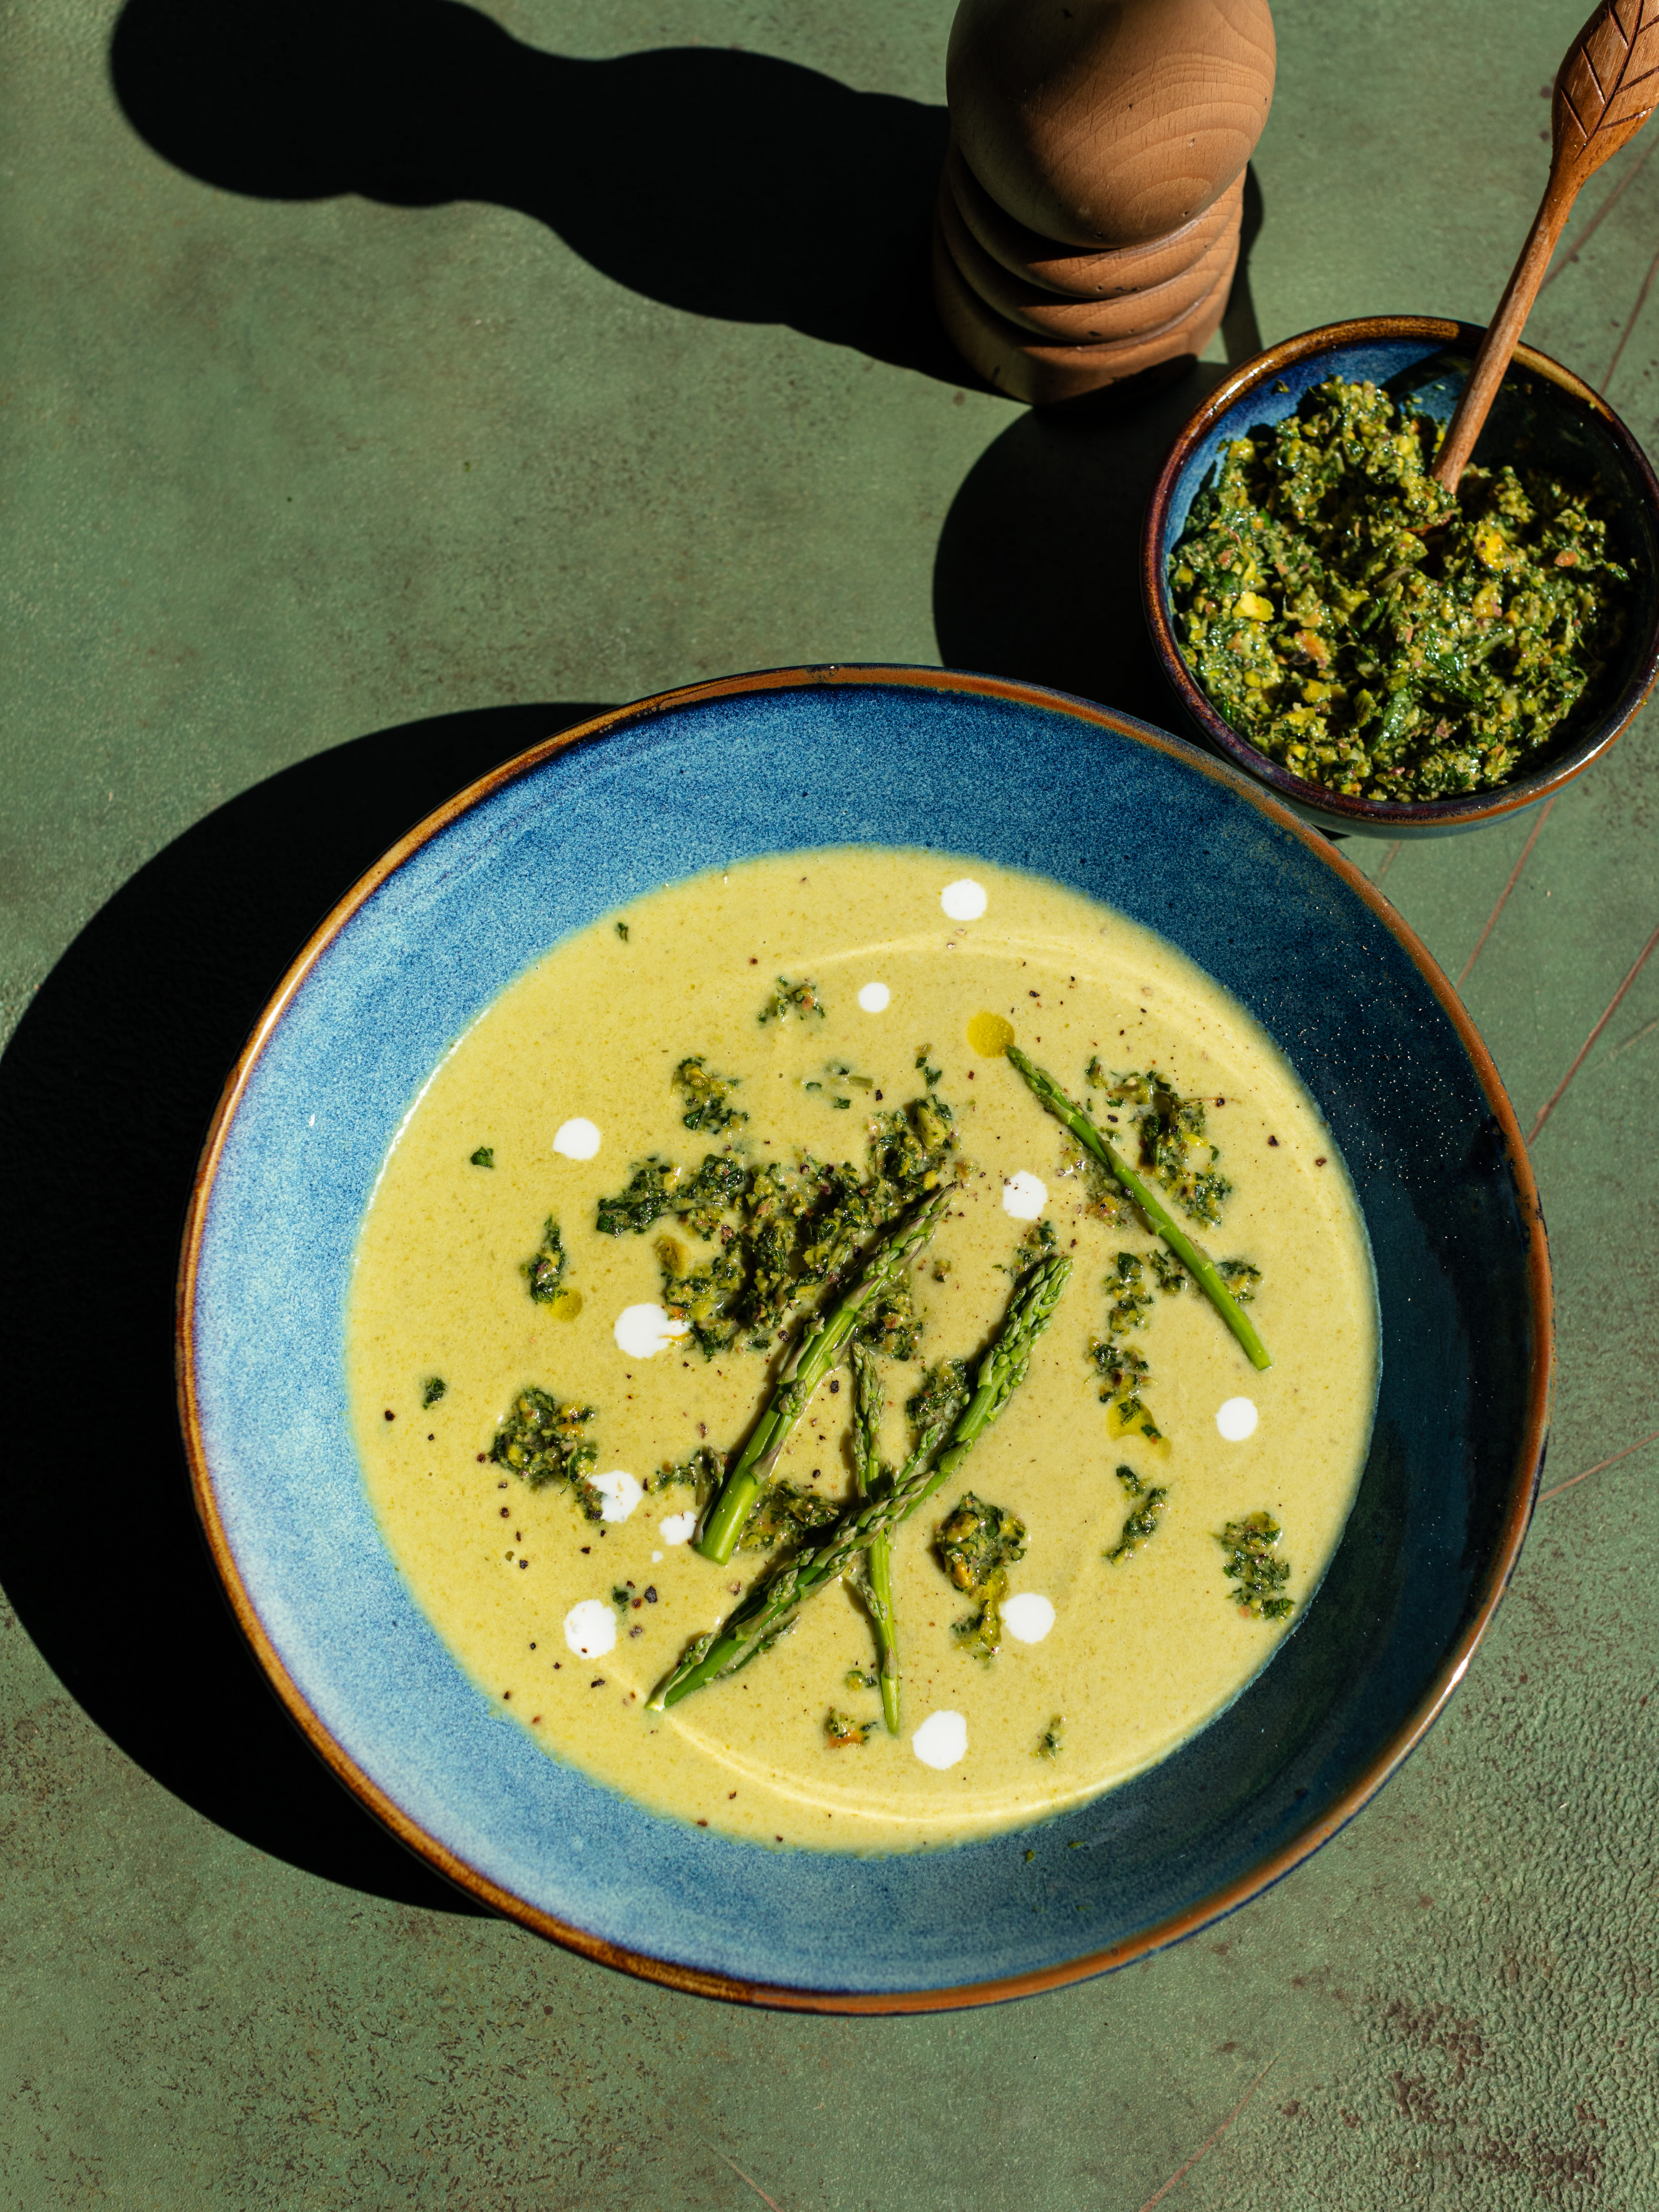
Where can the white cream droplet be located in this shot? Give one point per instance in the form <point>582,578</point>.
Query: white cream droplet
<point>577,1140</point>
<point>678,1527</point>
<point>1237,1419</point>
<point>590,1628</point>
<point>1028,1618</point>
<point>620,1492</point>
<point>644,1331</point>
<point>964,900</point>
<point>873,998</point>
<point>941,1740</point>
<point>655,1557</point>
<point>1023,1195</point>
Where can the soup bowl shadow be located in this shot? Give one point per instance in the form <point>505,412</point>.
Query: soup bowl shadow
<point>968,766</point>
<point>1544,416</point>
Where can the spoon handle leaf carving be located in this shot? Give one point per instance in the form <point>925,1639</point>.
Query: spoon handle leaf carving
<point>1605,90</point>
<point>1608,86</point>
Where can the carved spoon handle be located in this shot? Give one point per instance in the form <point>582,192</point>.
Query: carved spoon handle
<point>1605,91</point>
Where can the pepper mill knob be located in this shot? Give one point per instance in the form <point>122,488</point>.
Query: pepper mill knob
<point>1108,126</point>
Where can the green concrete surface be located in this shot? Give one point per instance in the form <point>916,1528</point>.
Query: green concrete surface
<point>380,391</point>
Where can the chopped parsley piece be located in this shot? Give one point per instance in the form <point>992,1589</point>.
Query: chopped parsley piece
<point>1173,1146</point>
<point>1168,1272</point>
<point>1251,1562</point>
<point>1125,1372</point>
<point>786,1513</point>
<point>1122,1368</point>
<point>782,1212</point>
<point>432,1390</point>
<point>911,1148</point>
<point>945,1389</point>
<point>1143,1521</point>
<point>977,1544</point>
<point>860,1678</point>
<point>716,1187</point>
<point>645,1200</point>
<point>840,1733</point>
<point>546,1271</point>
<point>1241,1279</point>
<point>483,1157</point>
<point>797,1228</point>
<point>1130,1303</point>
<point>619,1597</point>
<point>542,1441</point>
<point>930,1076</point>
<point>1105,1201</point>
<point>843,1082</point>
<point>707,1097</point>
<point>657,1186</point>
<point>789,999</point>
<point>621,931</point>
<point>700,1296</point>
<point>892,1326</point>
<point>1051,1742</point>
<point>700,1471</point>
<point>1375,637</point>
<point>1035,1245</point>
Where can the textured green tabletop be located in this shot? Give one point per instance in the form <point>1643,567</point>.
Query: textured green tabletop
<point>383,385</point>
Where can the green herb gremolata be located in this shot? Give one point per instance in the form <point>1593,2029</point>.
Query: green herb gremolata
<point>977,1544</point>
<point>1376,638</point>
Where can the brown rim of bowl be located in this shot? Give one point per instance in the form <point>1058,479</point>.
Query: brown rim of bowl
<point>1466,807</point>
<point>694,1980</point>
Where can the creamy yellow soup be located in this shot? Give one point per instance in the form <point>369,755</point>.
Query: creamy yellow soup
<point>568,1624</point>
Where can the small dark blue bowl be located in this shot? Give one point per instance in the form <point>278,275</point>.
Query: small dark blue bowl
<point>969,767</point>
<point>1543,414</point>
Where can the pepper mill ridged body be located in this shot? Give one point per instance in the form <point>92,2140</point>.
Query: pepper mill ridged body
<point>1089,213</point>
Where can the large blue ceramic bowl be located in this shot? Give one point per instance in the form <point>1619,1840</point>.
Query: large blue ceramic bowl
<point>1544,416</point>
<point>898,756</point>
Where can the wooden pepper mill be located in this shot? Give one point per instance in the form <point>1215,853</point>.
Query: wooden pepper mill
<point>1088,217</point>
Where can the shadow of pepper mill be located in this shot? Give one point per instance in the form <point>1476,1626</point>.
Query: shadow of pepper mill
<point>1088,217</point>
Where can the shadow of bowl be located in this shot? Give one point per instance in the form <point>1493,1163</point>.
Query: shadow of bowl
<point>106,1088</point>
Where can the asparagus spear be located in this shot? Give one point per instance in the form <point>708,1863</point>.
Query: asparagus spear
<point>814,1356</point>
<point>771,1606</point>
<point>879,1572</point>
<point>1197,1261</point>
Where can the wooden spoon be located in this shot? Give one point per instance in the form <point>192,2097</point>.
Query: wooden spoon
<point>1605,91</point>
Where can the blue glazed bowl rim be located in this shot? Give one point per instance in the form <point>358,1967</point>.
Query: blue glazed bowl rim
<point>1498,1567</point>
<point>1468,810</point>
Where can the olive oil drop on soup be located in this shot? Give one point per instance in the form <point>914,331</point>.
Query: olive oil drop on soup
<point>1163,1510</point>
